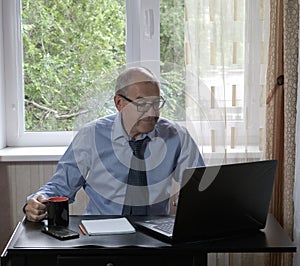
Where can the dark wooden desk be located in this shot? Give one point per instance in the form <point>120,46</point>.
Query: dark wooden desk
<point>28,246</point>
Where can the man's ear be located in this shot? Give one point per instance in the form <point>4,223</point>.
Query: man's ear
<point>118,102</point>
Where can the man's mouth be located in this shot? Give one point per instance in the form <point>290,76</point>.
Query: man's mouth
<point>149,119</point>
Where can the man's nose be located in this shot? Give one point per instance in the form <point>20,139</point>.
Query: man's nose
<point>152,112</point>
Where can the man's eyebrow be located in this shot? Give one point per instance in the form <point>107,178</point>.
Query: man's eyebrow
<point>141,98</point>
<point>145,97</point>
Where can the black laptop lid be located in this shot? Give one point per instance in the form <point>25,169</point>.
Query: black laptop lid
<point>217,201</point>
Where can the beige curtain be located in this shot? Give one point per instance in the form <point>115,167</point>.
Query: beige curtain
<point>226,45</point>
<point>238,54</point>
<point>226,57</point>
<point>281,111</point>
<point>296,233</point>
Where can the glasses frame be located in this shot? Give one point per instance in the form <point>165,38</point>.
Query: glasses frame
<point>162,102</point>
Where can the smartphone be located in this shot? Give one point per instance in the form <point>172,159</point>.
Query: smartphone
<point>59,232</point>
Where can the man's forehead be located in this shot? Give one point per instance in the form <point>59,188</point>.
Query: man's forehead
<point>135,76</point>
<point>143,89</point>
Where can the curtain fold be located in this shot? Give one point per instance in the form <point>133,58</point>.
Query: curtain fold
<point>296,260</point>
<point>281,112</point>
<point>296,227</point>
<point>275,104</point>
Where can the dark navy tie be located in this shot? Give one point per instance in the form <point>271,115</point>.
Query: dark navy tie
<point>138,192</point>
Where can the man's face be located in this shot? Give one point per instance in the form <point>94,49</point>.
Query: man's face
<point>137,121</point>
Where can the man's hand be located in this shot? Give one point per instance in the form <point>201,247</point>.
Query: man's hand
<point>35,209</point>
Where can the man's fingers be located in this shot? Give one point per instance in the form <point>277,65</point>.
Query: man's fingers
<point>34,213</point>
<point>35,218</point>
<point>35,210</point>
<point>41,199</point>
<point>35,205</point>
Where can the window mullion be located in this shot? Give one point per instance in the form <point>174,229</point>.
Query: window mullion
<point>13,70</point>
<point>142,36</point>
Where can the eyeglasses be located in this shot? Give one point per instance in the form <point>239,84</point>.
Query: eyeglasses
<point>143,106</point>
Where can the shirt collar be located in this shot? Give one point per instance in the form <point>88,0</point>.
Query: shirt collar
<point>118,132</point>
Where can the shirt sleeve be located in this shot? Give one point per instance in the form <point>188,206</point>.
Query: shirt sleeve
<point>190,155</point>
<point>71,171</point>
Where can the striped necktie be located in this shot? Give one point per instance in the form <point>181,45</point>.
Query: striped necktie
<point>137,194</point>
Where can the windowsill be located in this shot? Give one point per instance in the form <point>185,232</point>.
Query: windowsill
<point>27,154</point>
<point>44,154</point>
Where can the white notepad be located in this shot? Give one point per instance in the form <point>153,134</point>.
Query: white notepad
<point>108,226</point>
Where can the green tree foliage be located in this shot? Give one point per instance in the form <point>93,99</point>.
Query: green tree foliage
<point>172,58</point>
<point>72,47</point>
<point>172,31</point>
<point>67,44</point>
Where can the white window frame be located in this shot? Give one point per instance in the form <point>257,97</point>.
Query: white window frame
<point>142,48</point>
<point>146,42</point>
<point>2,92</point>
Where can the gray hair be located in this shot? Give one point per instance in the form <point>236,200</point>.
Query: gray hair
<point>134,75</point>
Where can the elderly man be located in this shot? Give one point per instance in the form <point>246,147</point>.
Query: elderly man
<point>128,162</point>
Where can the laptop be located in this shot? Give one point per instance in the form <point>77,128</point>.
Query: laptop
<point>217,202</point>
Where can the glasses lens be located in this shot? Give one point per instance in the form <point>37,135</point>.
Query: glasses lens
<point>143,106</point>
<point>157,105</point>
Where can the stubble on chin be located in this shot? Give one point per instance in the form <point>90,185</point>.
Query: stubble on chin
<point>145,125</point>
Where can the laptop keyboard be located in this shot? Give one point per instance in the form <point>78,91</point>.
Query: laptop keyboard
<point>165,225</point>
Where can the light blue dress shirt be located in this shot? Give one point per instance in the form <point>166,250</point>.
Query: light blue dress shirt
<point>98,160</point>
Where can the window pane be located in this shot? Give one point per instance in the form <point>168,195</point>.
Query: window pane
<point>67,46</point>
<point>216,57</point>
<point>172,58</point>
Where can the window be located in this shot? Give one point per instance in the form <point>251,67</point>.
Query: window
<point>57,51</point>
<point>163,34</point>
<point>67,46</point>
<point>56,70</point>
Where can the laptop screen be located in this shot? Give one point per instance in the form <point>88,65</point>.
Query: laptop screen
<point>223,199</point>
<point>219,201</point>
